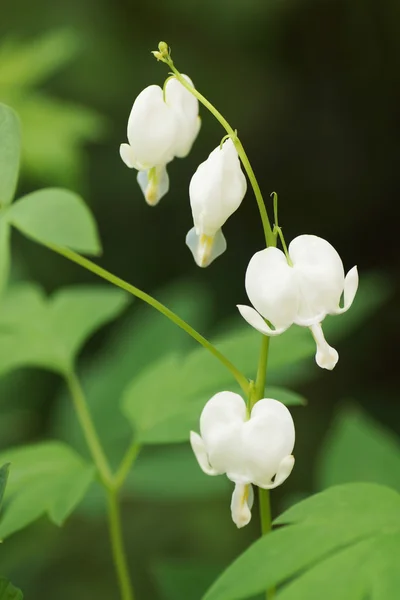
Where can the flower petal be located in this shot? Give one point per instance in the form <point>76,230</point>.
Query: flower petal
<point>154,184</point>
<point>186,109</point>
<point>326,356</point>
<point>271,287</point>
<point>205,248</point>
<point>319,275</point>
<point>200,453</point>
<point>255,320</point>
<point>268,437</point>
<point>349,292</point>
<point>283,472</point>
<point>241,504</point>
<point>127,155</point>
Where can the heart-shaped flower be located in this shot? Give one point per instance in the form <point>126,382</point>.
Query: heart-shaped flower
<point>255,450</point>
<point>162,125</point>
<point>302,292</point>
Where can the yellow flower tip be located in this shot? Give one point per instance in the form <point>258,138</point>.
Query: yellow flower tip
<point>205,247</point>
<point>164,48</point>
<point>163,52</point>
<point>151,195</point>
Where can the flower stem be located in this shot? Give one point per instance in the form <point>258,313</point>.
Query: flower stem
<point>257,394</point>
<point>268,233</point>
<point>117,544</point>
<point>131,289</point>
<point>110,483</point>
<point>126,464</point>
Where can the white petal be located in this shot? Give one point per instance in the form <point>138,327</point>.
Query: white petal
<point>200,453</point>
<point>154,184</point>
<point>186,108</point>
<point>272,288</point>
<point>319,275</point>
<point>217,189</point>
<point>205,248</point>
<point>268,437</point>
<point>221,425</point>
<point>241,504</point>
<point>283,472</point>
<point>255,320</point>
<point>326,356</point>
<point>152,128</point>
<point>126,153</point>
<point>349,292</point>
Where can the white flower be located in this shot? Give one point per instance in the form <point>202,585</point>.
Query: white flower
<point>249,450</point>
<point>160,127</point>
<point>216,190</point>
<point>303,293</point>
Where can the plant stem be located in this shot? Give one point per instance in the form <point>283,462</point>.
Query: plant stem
<point>126,464</point>
<point>268,233</point>
<point>111,483</point>
<point>264,502</point>
<point>100,272</point>
<point>117,544</point>
<point>88,428</point>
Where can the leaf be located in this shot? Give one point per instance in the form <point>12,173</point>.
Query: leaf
<point>8,591</point>
<point>49,332</point>
<point>336,545</point>
<point>173,402</point>
<point>10,149</point>
<point>4,470</point>
<point>56,216</point>
<point>359,449</point>
<point>5,257</point>
<point>55,131</point>
<point>141,338</point>
<point>47,478</point>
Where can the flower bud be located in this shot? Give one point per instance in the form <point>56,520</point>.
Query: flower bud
<point>216,190</point>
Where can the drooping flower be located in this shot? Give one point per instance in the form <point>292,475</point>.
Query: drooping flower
<point>302,293</point>
<point>255,450</point>
<point>162,125</point>
<point>216,190</point>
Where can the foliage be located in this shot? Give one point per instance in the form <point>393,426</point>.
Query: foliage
<point>8,591</point>
<point>54,130</point>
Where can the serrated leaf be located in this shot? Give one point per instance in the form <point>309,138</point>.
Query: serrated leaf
<point>10,149</point>
<point>4,470</point>
<point>8,591</point>
<point>48,478</point>
<point>49,332</point>
<point>359,449</point>
<point>344,525</point>
<point>56,216</point>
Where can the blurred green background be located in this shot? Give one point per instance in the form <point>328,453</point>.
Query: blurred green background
<point>313,88</point>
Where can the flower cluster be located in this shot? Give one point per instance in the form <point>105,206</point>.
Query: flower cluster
<point>300,285</point>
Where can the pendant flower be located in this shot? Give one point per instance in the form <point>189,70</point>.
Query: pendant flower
<point>216,190</point>
<point>302,293</point>
<point>248,450</point>
<point>162,125</point>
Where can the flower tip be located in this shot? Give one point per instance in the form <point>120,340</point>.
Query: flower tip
<point>163,52</point>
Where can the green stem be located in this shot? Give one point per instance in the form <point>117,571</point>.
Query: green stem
<point>268,233</point>
<point>100,272</point>
<point>256,395</point>
<point>117,544</point>
<point>108,481</point>
<point>126,465</point>
<point>88,428</point>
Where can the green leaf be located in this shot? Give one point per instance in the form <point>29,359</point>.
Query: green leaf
<point>4,470</point>
<point>48,478</point>
<point>337,544</point>
<point>56,216</point>
<point>49,332</point>
<point>175,396</point>
<point>10,149</point>
<point>141,338</point>
<point>359,449</point>
<point>55,131</point>
<point>8,591</point>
